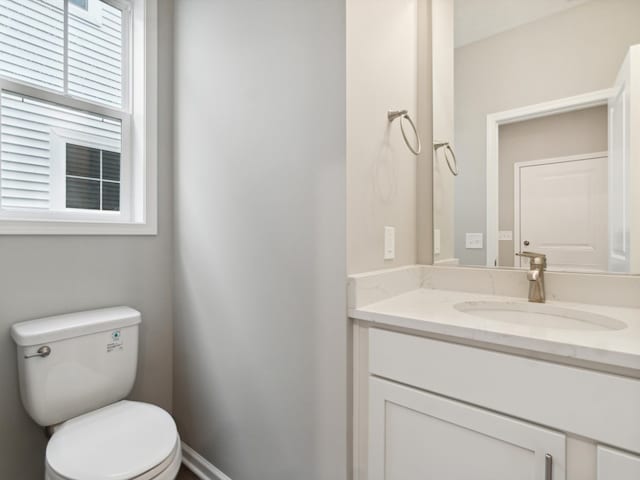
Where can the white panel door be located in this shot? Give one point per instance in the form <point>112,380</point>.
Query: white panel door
<point>561,210</point>
<point>619,255</point>
<point>617,465</point>
<point>620,117</point>
<point>414,435</point>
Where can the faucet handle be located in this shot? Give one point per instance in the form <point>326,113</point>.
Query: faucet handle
<point>536,258</point>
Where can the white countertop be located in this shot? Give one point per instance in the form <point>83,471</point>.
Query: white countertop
<point>432,311</point>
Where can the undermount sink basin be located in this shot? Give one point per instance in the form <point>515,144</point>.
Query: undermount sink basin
<point>540,315</point>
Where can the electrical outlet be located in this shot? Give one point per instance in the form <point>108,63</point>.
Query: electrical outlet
<point>473,240</point>
<point>505,235</point>
<point>436,242</point>
<point>389,243</point>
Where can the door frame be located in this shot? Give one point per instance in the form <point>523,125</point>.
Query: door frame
<point>517,172</point>
<point>494,121</point>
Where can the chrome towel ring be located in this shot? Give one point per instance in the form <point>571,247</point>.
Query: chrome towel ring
<point>404,115</point>
<point>448,148</point>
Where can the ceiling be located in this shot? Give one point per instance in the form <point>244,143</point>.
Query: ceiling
<point>478,19</point>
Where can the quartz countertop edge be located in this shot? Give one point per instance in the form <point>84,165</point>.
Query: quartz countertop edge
<point>432,311</point>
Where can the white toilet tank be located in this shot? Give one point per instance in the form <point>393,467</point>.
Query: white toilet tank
<point>75,363</point>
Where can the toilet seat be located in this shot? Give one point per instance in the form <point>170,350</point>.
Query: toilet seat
<point>124,441</point>
<point>168,470</point>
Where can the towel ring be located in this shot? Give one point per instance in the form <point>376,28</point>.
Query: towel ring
<point>447,147</point>
<point>404,115</point>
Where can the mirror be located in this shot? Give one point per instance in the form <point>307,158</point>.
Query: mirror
<point>539,101</point>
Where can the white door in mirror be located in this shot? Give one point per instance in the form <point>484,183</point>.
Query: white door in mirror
<point>624,158</point>
<point>561,211</point>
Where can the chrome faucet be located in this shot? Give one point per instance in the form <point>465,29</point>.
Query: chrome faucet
<point>535,275</point>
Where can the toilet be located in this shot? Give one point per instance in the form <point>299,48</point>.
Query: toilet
<point>75,371</point>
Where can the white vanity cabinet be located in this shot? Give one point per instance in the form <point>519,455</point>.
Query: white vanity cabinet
<point>616,465</point>
<point>417,435</point>
<point>434,409</point>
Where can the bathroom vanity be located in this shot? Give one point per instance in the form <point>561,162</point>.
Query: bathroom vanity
<point>528,172</point>
<point>457,376</point>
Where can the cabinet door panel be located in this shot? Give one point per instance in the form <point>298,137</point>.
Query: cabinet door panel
<point>617,465</point>
<point>415,435</point>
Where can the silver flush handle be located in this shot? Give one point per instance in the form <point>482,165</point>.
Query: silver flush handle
<point>43,351</point>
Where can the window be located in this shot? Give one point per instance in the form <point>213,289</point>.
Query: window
<point>83,4</point>
<point>75,139</point>
<point>92,179</point>
<point>35,149</point>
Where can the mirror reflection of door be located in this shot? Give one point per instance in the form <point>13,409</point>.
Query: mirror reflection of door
<point>623,198</point>
<point>561,210</point>
<point>561,180</point>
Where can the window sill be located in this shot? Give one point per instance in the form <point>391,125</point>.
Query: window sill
<point>10,227</point>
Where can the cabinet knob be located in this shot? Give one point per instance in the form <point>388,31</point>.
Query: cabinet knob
<point>527,243</point>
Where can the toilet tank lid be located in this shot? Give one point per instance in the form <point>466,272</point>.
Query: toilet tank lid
<point>69,325</point>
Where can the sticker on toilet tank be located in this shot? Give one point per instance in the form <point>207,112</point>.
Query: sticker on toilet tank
<point>115,342</point>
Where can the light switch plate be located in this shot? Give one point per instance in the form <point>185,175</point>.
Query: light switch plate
<point>473,240</point>
<point>389,243</point>
<point>505,235</point>
<point>436,242</point>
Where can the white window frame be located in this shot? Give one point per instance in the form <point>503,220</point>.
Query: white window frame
<point>138,197</point>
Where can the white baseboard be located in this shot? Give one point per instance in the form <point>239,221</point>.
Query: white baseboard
<point>200,466</point>
<point>447,261</point>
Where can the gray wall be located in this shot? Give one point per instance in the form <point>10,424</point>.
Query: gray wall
<point>46,275</point>
<point>260,311</point>
<point>577,51</point>
<point>571,133</point>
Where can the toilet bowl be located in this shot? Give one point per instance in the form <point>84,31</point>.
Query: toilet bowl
<point>123,441</point>
<point>75,370</point>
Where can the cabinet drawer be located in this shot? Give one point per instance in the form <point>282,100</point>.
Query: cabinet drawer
<point>587,403</point>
